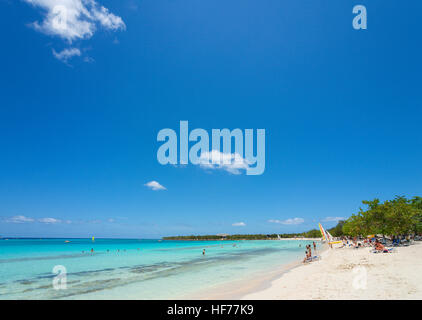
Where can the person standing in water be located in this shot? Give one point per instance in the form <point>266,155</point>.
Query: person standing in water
<point>203,252</point>
<point>314,246</point>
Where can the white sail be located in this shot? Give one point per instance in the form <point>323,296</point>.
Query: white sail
<point>326,236</point>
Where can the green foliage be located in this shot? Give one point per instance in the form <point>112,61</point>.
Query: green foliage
<point>354,226</point>
<point>337,231</point>
<point>417,204</point>
<point>392,217</point>
<point>314,233</point>
<point>309,234</point>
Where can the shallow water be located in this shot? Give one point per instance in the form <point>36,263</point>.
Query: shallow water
<point>133,269</point>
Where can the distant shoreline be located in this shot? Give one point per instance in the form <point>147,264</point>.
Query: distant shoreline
<point>269,239</point>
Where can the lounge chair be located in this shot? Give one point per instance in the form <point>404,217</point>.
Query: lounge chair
<point>385,250</point>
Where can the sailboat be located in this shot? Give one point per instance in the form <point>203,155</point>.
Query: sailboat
<point>278,237</point>
<point>326,236</point>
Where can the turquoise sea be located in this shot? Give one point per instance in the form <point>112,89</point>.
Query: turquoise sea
<point>133,269</point>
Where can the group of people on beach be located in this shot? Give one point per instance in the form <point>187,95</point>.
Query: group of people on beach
<point>308,252</point>
<point>108,250</point>
<point>378,244</point>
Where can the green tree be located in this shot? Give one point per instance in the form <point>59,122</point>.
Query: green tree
<point>392,217</point>
<point>417,204</point>
<point>337,231</point>
<point>354,226</point>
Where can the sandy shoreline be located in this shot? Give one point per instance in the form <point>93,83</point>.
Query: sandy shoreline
<point>255,282</point>
<point>341,274</point>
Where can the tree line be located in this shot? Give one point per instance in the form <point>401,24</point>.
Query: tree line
<point>399,216</point>
<point>309,234</point>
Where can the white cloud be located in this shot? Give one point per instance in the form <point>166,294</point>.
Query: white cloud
<point>154,185</point>
<point>335,219</point>
<point>288,221</point>
<point>49,220</point>
<point>66,54</point>
<point>74,19</point>
<point>19,219</point>
<point>230,162</point>
<point>239,224</point>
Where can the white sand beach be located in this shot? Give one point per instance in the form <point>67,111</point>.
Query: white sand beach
<point>340,274</point>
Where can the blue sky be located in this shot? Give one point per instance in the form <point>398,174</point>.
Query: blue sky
<point>341,109</point>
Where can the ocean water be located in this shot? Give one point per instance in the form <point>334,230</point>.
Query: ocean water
<point>133,269</point>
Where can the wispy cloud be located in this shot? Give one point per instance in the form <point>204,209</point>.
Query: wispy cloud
<point>154,185</point>
<point>230,162</point>
<point>239,224</point>
<point>333,219</point>
<point>24,219</point>
<point>49,220</point>
<point>73,20</point>
<point>19,219</point>
<point>66,54</point>
<point>288,221</point>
